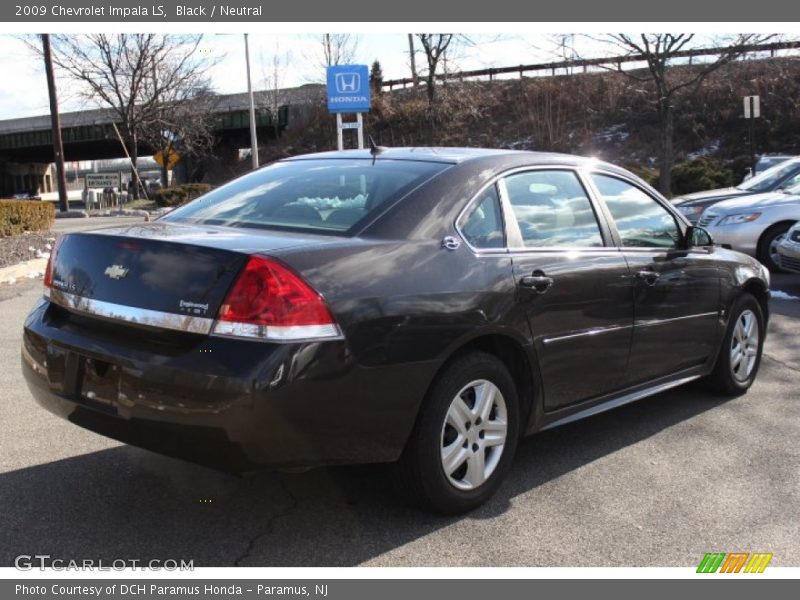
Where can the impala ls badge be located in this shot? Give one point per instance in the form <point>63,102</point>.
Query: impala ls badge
<point>116,271</point>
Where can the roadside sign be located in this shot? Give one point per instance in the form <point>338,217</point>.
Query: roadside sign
<point>349,125</point>
<point>172,158</point>
<point>348,88</point>
<point>752,107</point>
<point>102,180</point>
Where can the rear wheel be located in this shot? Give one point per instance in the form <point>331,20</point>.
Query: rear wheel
<point>768,246</point>
<point>740,355</point>
<point>465,437</point>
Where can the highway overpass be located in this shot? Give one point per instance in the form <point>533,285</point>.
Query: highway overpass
<point>26,144</point>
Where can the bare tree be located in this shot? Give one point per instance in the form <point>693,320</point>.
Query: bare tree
<point>671,86</point>
<point>140,77</point>
<point>434,46</point>
<point>274,73</point>
<point>339,48</point>
<point>182,123</point>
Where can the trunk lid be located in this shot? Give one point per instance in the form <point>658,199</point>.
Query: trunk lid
<point>165,267</point>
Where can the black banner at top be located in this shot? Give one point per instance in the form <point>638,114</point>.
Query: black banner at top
<point>362,11</point>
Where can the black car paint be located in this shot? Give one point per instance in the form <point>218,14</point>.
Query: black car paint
<point>406,306</point>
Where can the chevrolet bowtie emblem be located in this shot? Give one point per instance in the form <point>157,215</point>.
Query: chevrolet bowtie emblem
<point>116,271</point>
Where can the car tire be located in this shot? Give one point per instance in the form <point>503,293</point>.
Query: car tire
<point>767,246</point>
<point>450,467</point>
<point>740,354</point>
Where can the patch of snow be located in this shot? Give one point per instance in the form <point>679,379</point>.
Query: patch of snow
<point>779,295</point>
<point>711,148</point>
<point>10,280</point>
<point>40,254</point>
<point>48,246</point>
<point>613,133</point>
<point>34,274</point>
<point>31,249</point>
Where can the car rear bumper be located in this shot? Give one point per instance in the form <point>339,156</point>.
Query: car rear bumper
<point>230,404</point>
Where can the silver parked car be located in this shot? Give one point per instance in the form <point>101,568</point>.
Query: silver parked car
<point>789,250</point>
<point>779,177</point>
<point>756,224</point>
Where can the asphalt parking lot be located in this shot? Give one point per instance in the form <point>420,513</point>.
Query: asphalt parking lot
<point>657,483</point>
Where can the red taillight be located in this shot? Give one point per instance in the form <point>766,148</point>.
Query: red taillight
<point>269,301</point>
<point>48,272</point>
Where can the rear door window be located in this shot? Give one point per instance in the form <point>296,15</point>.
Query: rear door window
<point>552,209</point>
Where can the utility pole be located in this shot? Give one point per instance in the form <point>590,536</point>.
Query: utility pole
<point>58,144</point>
<point>253,139</point>
<point>412,54</point>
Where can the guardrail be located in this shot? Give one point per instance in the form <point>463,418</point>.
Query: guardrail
<point>585,63</point>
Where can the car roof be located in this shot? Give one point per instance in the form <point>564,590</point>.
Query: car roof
<point>449,155</point>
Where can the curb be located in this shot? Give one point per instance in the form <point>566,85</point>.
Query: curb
<point>30,269</point>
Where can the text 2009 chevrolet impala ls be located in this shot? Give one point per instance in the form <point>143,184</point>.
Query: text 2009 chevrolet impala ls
<point>420,306</point>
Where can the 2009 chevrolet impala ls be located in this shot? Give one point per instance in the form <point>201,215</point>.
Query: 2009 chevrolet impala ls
<point>426,307</point>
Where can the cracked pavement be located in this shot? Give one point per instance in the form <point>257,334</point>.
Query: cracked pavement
<point>656,483</point>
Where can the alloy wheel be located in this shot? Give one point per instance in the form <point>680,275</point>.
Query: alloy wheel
<point>744,345</point>
<point>474,434</point>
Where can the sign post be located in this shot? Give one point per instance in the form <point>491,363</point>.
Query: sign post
<point>348,92</point>
<point>752,111</point>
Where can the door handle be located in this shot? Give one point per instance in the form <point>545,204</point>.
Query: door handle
<point>649,277</point>
<point>538,282</point>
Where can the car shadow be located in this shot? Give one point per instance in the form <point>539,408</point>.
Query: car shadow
<point>127,503</point>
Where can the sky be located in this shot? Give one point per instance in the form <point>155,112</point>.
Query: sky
<point>24,92</point>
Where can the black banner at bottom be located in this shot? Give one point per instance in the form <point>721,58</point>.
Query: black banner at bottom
<point>396,589</point>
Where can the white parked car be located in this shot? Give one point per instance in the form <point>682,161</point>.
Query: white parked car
<point>755,225</point>
<point>789,250</point>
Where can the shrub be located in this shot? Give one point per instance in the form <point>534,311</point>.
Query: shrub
<point>19,216</point>
<point>646,173</point>
<point>699,175</point>
<point>180,194</point>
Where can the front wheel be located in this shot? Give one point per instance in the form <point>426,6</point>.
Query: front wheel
<point>465,437</point>
<point>740,355</point>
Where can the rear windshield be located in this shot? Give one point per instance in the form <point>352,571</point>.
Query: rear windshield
<point>330,195</point>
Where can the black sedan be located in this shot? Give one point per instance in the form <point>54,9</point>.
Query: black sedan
<point>422,307</point>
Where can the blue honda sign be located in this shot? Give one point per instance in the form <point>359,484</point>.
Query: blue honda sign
<point>348,89</point>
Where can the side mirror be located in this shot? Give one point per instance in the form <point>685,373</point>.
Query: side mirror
<point>697,237</point>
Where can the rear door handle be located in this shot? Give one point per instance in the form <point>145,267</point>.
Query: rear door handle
<point>649,277</point>
<point>538,282</point>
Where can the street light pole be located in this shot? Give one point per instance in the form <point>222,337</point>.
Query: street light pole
<point>253,139</point>
<point>58,145</point>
